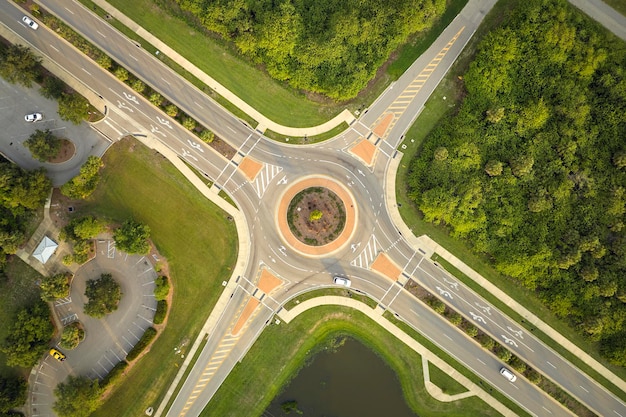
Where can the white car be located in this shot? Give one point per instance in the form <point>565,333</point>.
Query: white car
<point>508,374</point>
<point>342,281</point>
<point>30,23</point>
<point>33,117</point>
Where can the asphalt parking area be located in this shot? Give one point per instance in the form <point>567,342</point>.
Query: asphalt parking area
<point>15,102</point>
<point>108,340</point>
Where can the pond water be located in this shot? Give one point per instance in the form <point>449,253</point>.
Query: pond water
<point>350,382</point>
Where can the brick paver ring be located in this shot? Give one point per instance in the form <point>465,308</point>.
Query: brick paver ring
<point>351,216</point>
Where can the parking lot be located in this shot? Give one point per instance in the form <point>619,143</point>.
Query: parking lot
<point>15,102</point>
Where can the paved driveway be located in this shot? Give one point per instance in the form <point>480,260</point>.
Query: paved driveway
<point>107,340</point>
<point>15,102</point>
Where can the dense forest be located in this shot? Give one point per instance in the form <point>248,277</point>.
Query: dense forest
<point>532,169</point>
<point>21,193</point>
<point>332,47</point>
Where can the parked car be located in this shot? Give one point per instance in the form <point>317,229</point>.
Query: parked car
<point>30,23</point>
<point>342,281</point>
<point>33,117</point>
<point>56,354</point>
<point>508,374</point>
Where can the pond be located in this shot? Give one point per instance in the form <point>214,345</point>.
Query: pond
<point>349,382</point>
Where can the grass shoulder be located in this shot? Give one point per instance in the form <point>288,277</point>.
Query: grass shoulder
<point>139,183</point>
<point>283,349</point>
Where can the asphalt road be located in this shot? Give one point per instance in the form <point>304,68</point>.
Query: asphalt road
<point>257,200</point>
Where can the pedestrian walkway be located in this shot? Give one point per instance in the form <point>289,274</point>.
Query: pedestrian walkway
<point>264,123</point>
<point>375,315</point>
<point>429,247</point>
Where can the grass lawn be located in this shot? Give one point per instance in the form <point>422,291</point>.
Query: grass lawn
<point>437,109</point>
<point>191,232</point>
<point>18,289</point>
<point>275,100</point>
<point>444,381</point>
<point>283,349</point>
<point>619,5</point>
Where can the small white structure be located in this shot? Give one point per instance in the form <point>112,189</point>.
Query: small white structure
<point>45,249</point>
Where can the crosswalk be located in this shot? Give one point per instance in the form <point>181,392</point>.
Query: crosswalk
<point>265,177</point>
<point>368,254</point>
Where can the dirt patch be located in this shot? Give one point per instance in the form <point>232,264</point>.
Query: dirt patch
<point>65,153</point>
<point>223,148</point>
<point>316,216</point>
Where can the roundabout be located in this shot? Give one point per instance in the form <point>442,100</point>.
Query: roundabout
<point>316,216</point>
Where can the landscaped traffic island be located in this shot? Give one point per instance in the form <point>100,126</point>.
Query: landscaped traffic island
<point>316,216</point>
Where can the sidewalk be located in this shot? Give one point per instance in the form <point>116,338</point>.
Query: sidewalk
<point>264,122</point>
<point>427,356</point>
<point>431,247</point>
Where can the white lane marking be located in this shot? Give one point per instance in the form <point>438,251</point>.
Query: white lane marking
<point>86,71</point>
<point>68,10</point>
<point>231,129</point>
<point>480,361</point>
<point>168,83</point>
<point>447,336</point>
<point>112,127</point>
<point>52,46</point>
<point>198,104</point>
<point>546,409</point>
<point>101,34</point>
<point>618,413</point>
<point>584,389</point>
<point>548,362</point>
<point>133,57</point>
<point>414,312</point>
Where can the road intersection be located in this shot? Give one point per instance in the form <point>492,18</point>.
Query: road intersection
<point>357,160</point>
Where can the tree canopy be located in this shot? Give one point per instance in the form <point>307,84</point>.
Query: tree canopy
<point>12,393</point>
<point>533,173</point>
<point>132,237</point>
<point>333,47</point>
<point>104,295</point>
<point>18,64</point>
<point>85,183</point>
<point>43,145</point>
<point>55,286</point>
<point>77,397</point>
<point>28,337</point>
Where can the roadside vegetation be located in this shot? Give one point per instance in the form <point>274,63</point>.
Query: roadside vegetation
<point>531,170</point>
<point>292,345</point>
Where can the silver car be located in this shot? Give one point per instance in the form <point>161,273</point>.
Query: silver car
<point>30,22</point>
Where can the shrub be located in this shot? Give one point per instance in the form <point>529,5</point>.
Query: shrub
<point>72,335</point>
<point>145,340</point>
<point>114,374</point>
<point>162,288</point>
<point>171,110</point>
<point>207,136</point>
<point>138,85</point>
<point>121,73</point>
<point>189,123</point>
<point>161,311</point>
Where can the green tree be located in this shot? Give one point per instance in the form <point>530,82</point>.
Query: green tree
<point>52,87</point>
<point>77,397</point>
<point>493,168</point>
<point>162,288</point>
<point>43,145</point>
<point>55,286</point>
<point>19,65</point>
<point>441,153</point>
<point>189,123</point>
<point>104,295</point>
<point>138,85</point>
<point>28,336</point>
<point>121,73</point>
<point>12,393</point>
<point>132,237</point>
<point>83,228</point>
<point>104,61</point>
<point>73,108</point>
<point>72,335</point>
<point>156,99</point>
<point>82,185</point>
<point>207,136</point>
<point>171,110</point>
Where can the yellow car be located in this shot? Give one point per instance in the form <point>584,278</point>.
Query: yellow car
<point>57,355</point>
